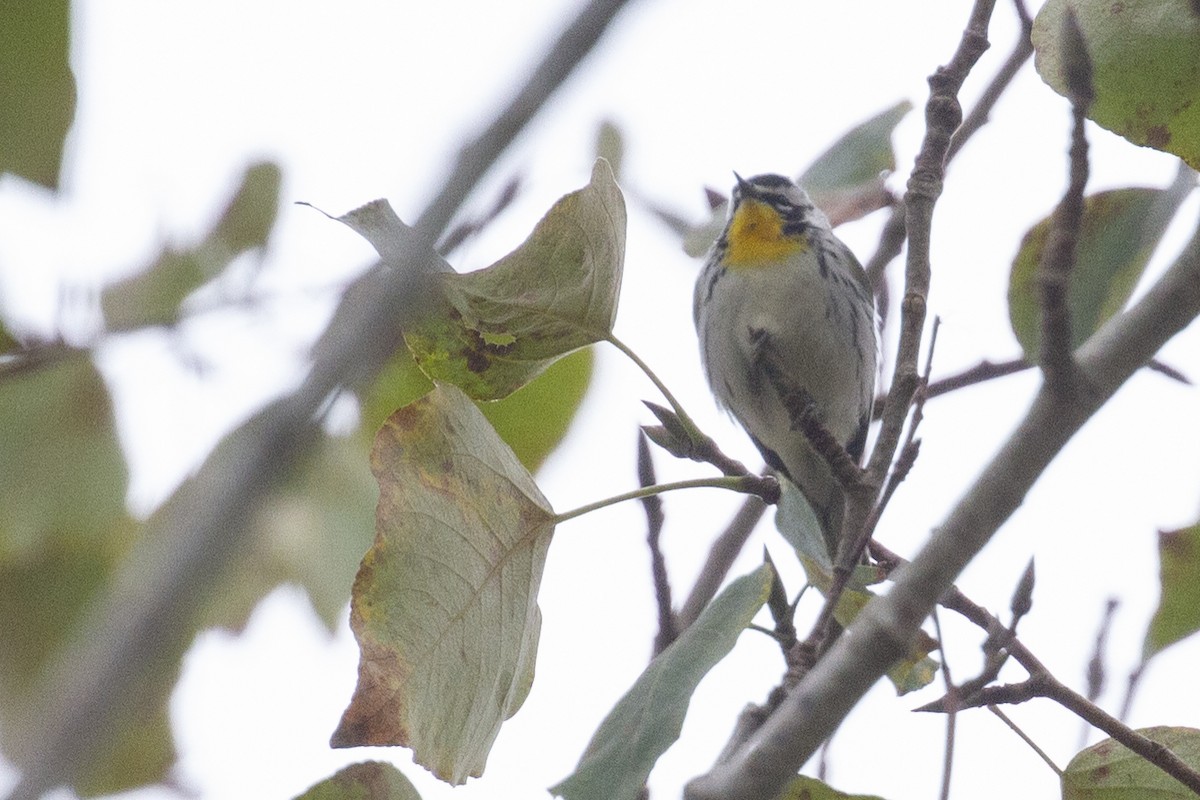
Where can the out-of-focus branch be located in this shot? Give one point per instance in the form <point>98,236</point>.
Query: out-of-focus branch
<point>188,545</point>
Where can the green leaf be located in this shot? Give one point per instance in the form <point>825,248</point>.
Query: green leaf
<point>1178,614</point>
<point>369,780</point>
<point>1118,234</point>
<point>1110,771</point>
<point>37,89</point>
<point>847,180</point>
<point>64,474</point>
<point>63,532</point>
<point>152,296</point>
<point>532,420</point>
<point>1145,63</point>
<point>647,720</point>
<point>803,787</point>
<point>444,607</point>
<point>557,292</point>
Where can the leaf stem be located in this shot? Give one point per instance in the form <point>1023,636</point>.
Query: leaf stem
<point>692,429</point>
<point>746,484</point>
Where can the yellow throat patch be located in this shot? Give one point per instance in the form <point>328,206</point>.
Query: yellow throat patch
<point>756,236</point>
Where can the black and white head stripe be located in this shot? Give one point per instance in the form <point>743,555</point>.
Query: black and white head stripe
<point>792,202</point>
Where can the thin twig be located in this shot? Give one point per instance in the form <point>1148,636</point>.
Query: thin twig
<point>1095,668</point>
<point>951,711</point>
<point>1042,683</point>
<point>1058,259</point>
<point>982,111</point>
<point>653,506</point>
<point>1012,726</point>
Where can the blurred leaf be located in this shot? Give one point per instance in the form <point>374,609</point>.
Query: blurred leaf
<point>847,180</point>
<point>152,296</point>
<point>1119,233</point>
<point>311,530</point>
<point>1145,64</point>
<point>37,89</point>
<point>503,325</point>
<point>701,237</point>
<point>1110,771</point>
<point>647,720</point>
<point>444,607</point>
<point>64,474</point>
<point>8,342</point>
<point>803,787</point>
<point>370,780</point>
<point>63,531</point>
<point>1178,614</point>
<point>610,146</point>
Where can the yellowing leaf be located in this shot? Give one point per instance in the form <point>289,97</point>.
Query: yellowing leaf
<point>1146,66</point>
<point>647,720</point>
<point>1178,614</point>
<point>1119,232</point>
<point>503,325</point>
<point>369,780</point>
<point>1110,771</point>
<point>444,607</point>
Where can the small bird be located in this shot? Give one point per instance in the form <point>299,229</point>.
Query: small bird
<point>786,321</point>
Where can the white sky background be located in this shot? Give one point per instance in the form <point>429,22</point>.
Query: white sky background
<point>362,100</point>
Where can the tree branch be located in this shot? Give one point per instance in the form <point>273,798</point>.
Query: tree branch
<point>188,545</point>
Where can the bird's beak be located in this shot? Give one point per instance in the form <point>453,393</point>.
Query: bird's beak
<point>741,182</point>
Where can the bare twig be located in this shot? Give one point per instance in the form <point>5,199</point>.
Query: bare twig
<point>1058,259</point>
<point>1042,683</point>
<point>1095,667</point>
<point>1012,726</point>
<point>652,504</point>
<point>892,237</point>
<point>951,711</point>
<point>981,113</point>
<point>190,543</point>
